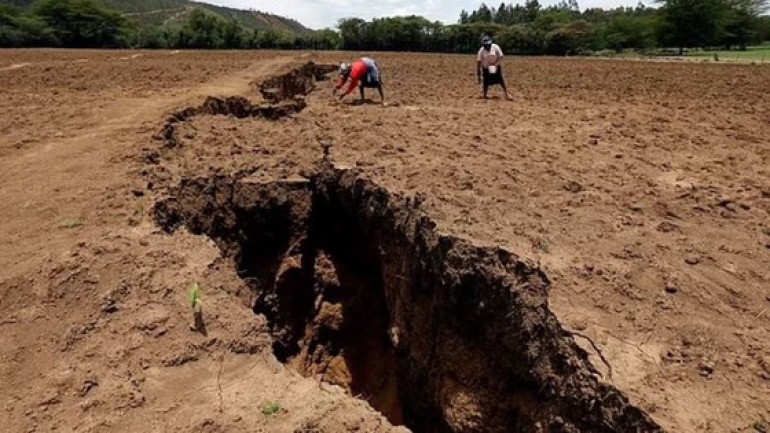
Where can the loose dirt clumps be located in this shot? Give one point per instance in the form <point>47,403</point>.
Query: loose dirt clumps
<point>299,81</point>
<point>235,106</point>
<point>361,290</point>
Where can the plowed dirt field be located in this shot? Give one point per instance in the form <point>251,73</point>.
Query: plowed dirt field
<point>593,256</point>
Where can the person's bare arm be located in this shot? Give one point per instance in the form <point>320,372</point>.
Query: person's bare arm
<point>352,86</point>
<point>339,85</point>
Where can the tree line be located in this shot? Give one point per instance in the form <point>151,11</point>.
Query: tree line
<point>88,24</point>
<point>526,28</point>
<point>204,30</point>
<point>563,29</point>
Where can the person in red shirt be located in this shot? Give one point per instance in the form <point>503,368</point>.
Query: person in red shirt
<point>364,73</point>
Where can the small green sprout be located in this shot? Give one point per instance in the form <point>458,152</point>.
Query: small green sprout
<point>271,409</point>
<point>71,224</point>
<point>197,309</point>
<point>195,296</point>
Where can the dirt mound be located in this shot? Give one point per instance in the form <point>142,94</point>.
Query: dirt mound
<point>235,106</point>
<point>299,81</point>
<point>361,290</point>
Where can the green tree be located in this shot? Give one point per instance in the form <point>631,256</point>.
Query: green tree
<point>464,17</point>
<point>628,32</point>
<point>763,29</point>
<point>519,15</point>
<point>411,33</point>
<point>233,35</point>
<point>552,19</point>
<point>352,32</point>
<point>81,23</point>
<point>271,38</point>
<point>150,37</point>
<point>743,22</point>
<point>201,29</point>
<point>466,38</point>
<point>482,15</point>
<point>19,30</point>
<point>532,9</point>
<point>500,15</point>
<point>7,12</point>
<point>326,39</point>
<point>693,23</point>
<point>522,39</point>
<point>569,38</point>
<point>10,34</point>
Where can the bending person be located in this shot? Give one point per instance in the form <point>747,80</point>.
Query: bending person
<point>364,73</point>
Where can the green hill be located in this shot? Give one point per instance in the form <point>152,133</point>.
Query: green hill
<point>159,12</point>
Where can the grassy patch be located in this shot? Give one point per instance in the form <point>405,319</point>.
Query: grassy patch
<point>752,54</point>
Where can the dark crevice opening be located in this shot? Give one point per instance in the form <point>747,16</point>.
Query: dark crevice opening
<point>360,290</point>
<point>326,304</point>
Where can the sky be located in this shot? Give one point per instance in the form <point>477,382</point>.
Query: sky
<point>318,14</point>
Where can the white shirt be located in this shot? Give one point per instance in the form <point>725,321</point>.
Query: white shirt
<point>491,57</point>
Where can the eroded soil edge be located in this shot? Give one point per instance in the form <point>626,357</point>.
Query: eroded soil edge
<point>362,290</point>
<point>285,94</point>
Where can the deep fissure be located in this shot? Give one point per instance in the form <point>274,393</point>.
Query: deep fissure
<point>235,106</point>
<point>298,81</point>
<point>362,291</point>
<point>285,94</point>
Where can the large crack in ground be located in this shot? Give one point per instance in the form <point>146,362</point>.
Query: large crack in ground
<point>361,290</point>
<point>235,106</point>
<point>285,94</point>
<point>298,81</point>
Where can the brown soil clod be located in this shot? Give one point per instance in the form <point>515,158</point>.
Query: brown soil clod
<point>299,81</point>
<point>362,291</point>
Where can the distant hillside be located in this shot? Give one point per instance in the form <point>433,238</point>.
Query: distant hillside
<point>159,12</point>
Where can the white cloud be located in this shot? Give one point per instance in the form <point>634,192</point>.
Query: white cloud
<point>325,13</point>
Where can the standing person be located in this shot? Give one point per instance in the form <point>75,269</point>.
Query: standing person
<point>488,68</point>
<point>364,73</point>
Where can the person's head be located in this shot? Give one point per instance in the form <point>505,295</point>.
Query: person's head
<point>486,42</point>
<point>344,69</point>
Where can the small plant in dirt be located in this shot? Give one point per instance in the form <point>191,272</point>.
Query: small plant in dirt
<point>271,409</point>
<point>71,224</point>
<point>195,296</point>
<point>196,304</point>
